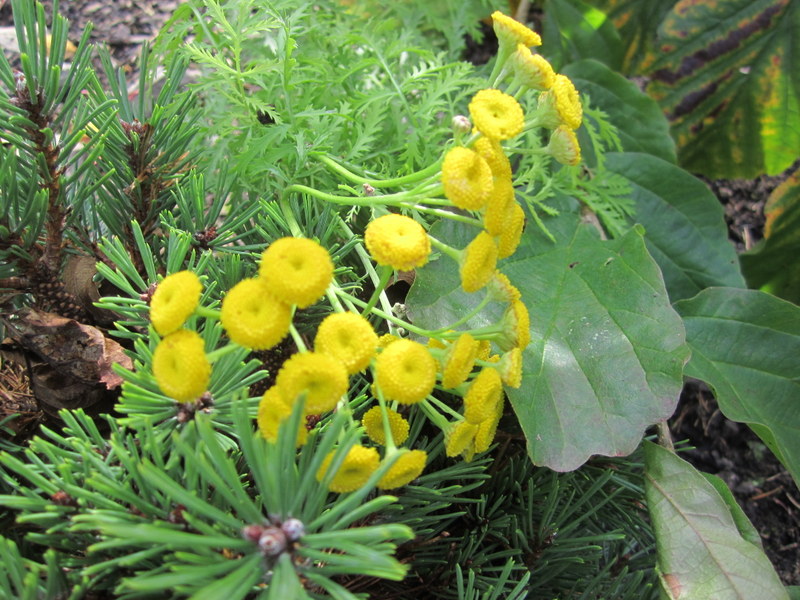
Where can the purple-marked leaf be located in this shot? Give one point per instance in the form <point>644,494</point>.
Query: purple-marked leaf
<point>607,350</point>
<point>701,552</point>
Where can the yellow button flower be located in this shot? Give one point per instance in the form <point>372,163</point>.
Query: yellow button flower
<point>485,391</point>
<point>511,367</point>
<point>488,429</point>
<point>397,241</point>
<point>253,317</point>
<point>496,114</point>
<point>321,377</point>
<point>516,327</point>
<point>467,178</point>
<point>561,105</point>
<point>296,270</point>
<point>373,425</point>
<point>174,301</point>
<point>510,237</point>
<point>273,410</point>
<point>512,32</point>
<point>180,365</point>
<point>459,361</point>
<point>349,337</point>
<point>406,469</point>
<point>359,464</point>
<point>502,289</point>
<point>564,146</point>
<point>405,371</point>
<point>492,152</point>
<point>459,437</point>
<point>532,70</point>
<point>478,261</point>
<point>498,210</point>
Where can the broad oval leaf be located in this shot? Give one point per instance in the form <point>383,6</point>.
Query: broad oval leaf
<point>746,346</point>
<point>573,30</point>
<point>727,79</point>
<point>685,227</point>
<point>607,350</point>
<point>701,552</point>
<point>640,123</point>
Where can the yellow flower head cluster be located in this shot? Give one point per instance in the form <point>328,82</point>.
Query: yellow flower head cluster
<point>359,464</point>
<point>510,32</point>
<point>397,241</point>
<point>467,178</point>
<point>322,379</point>
<point>512,233</point>
<point>561,104</point>
<point>180,365</point>
<point>496,114</point>
<point>502,289</point>
<point>485,391</point>
<point>296,270</point>
<point>458,437</point>
<point>405,371</point>
<point>564,146</point>
<point>492,152</point>
<point>459,361</point>
<point>406,469</point>
<point>253,317</point>
<point>273,410</point>
<point>467,438</point>
<point>510,367</point>
<point>532,70</point>
<point>499,208</point>
<point>348,337</point>
<point>373,425</point>
<point>516,326</point>
<point>478,261</point>
<point>174,301</point>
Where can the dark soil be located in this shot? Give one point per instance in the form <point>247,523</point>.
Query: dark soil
<point>761,485</point>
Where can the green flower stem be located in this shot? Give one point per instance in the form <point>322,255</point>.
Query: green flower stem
<point>330,294</point>
<point>433,415</point>
<point>381,183</point>
<point>366,261</point>
<point>215,355</point>
<point>446,214</point>
<point>294,226</point>
<point>445,249</point>
<point>442,406</point>
<point>298,339</point>
<point>379,200</point>
<point>385,274</point>
<point>387,316</point>
<point>208,313</point>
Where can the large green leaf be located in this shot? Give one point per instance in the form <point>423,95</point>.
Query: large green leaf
<point>729,79</point>
<point>686,231</point>
<point>746,346</point>
<point>607,350</point>
<point>574,30</point>
<point>701,552</point>
<point>772,265</point>
<point>640,123</point>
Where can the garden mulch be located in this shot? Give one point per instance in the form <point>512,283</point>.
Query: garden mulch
<point>761,485</point>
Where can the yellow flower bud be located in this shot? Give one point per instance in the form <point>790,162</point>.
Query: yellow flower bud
<point>485,391</point>
<point>373,425</point>
<point>478,261</point>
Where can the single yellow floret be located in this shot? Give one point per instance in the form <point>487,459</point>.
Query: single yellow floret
<point>349,337</point>
<point>459,361</point>
<point>174,301</point>
<point>532,70</point>
<point>467,178</point>
<point>511,236</point>
<point>564,146</point>
<point>254,318</point>
<point>496,114</point>
<point>516,327</point>
<point>511,367</point>
<point>321,377</point>
<point>180,365</point>
<point>273,410</point>
<point>359,464</point>
<point>459,437</point>
<point>373,425</point>
<point>397,241</point>
<point>485,391</point>
<point>511,32</point>
<point>405,469</point>
<point>405,371</point>
<point>488,429</point>
<point>478,261</point>
<point>498,212</point>
<point>296,270</point>
<point>492,152</point>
